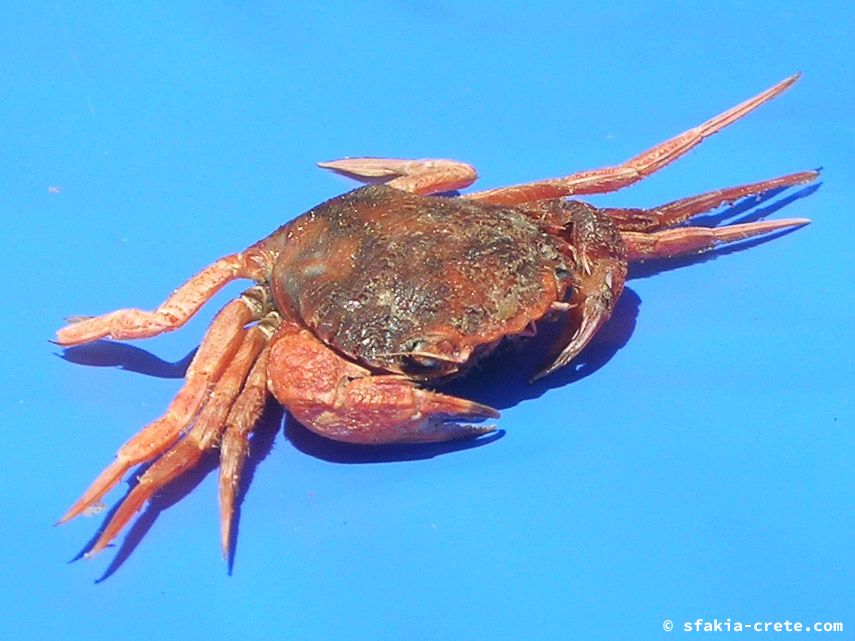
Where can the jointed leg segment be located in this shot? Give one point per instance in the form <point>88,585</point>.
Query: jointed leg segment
<point>646,235</point>
<point>172,314</point>
<point>670,243</point>
<point>607,179</point>
<point>430,176</point>
<point>679,211</point>
<point>176,310</point>
<point>222,390</point>
<point>204,434</point>
<point>234,447</point>
<point>425,176</point>
<point>218,346</point>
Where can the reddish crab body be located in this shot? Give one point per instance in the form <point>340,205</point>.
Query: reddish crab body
<point>417,285</point>
<point>364,304</point>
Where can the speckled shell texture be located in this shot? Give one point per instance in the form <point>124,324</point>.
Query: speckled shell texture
<point>379,274</point>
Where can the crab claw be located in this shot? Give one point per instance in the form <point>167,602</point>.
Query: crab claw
<point>383,409</point>
<point>345,402</point>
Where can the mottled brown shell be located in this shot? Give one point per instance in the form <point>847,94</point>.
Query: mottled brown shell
<point>416,284</point>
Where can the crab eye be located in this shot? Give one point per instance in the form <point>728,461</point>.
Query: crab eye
<point>419,352</point>
<point>415,345</point>
<point>424,361</point>
<point>562,273</point>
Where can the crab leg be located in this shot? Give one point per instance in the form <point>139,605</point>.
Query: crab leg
<point>173,312</point>
<point>343,401</point>
<point>205,433</point>
<point>695,240</point>
<point>217,348</point>
<point>423,176</point>
<point>647,220</point>
<point>607,179</point>
<point>234,447</point>
<point>598,279</point>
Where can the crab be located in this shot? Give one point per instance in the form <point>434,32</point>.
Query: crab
<point>363,306</point>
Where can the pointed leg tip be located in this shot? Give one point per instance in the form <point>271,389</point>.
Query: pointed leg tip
<point>551,369</point>
<point>784,84</point>
<point>90,502</point>
<point>129,506</point>
<point>739,232</point>
<point>73,332</point>
<point>74,511</point>
<point>61,338</point>
<point>784,223</point>
<point>226,537</point>
<point>804,177</point>
<point>92,552</point>
<point>103,542</point>
<point>337,163</point>
<point>368,168</point>
<point>799,223</point>
<point>355,168</point>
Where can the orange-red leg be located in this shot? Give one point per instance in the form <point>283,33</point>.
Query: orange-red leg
<point>234,447</point>
<point>596,258</point>
<point>174,311</point>
<point>217,347</point>
<point>204,434</point>
<point>423,176</point>
<point>695,240</point>
<point>612,178</point>
<point>647,220</point>
<point>343,401</point>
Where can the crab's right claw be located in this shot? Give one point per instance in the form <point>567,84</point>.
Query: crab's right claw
<point>345,402</point>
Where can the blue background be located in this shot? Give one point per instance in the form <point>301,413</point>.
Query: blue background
<point>695,463</point>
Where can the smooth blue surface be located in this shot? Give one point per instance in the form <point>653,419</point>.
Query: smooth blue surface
<point>699,464</point>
